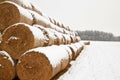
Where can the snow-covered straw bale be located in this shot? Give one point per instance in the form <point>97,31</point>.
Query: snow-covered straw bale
<point>55,27</point>
<point>76,48</point>
<point>42,63</point>
<point>78,38</point>
<point>11,13</point>
<point>79,47</point>
<point>68,50</point>
<point>67,38</point>
<point>38,19</point>
<point>59,24</point>
<point>28,4</point>
<point>51,20</point>
<point>59,36</point>
<point>54,22</point>
<point>7,69</point>
<point>49,34</point>
<point>87,42</point>
<point>74,51</point>
<point>20,37</point>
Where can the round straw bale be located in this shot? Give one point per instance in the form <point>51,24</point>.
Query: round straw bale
<point>49,34</point>
<point>7,69</point>
<point>23,3</point>
<point>87,42</point>
<point>53,36</point>
<point>76,33</point>
<point>68,50</point>
<point>54,22</point>
<point>78,38</point>
<point>79,47</point>
<point>42,63</point>
<point>74,51</point>
<point>58,24</point>
<point>50,19</point>
<point>62,26</point>
<point>66,31</point>
<point>72,33</point>
<point>72,39</point>
<point>11,13</point>
<point>60,37</point>
<point>28,4</point>
<point>67,38</point>
<point>20,37</point>
<point>64,40</point>
<point>38,19</point>
<point>67,28</point>
<point>53,26</point>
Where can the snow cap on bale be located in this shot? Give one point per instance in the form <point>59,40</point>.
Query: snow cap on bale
<point>28,4</point>
<point>7,69</point>
<point>11,13</point>
<point>23,3</point>
<point>20,37</point>
<point>42,63</point>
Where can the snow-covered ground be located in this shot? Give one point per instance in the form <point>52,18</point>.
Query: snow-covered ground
<point>98,61</point>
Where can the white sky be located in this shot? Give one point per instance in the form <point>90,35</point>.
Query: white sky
<point>103,15</point>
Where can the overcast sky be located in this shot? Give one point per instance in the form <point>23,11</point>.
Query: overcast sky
<point>103,15</point>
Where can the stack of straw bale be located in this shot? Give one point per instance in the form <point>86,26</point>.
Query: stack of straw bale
<point>43,63</point>
<point>35,47</point>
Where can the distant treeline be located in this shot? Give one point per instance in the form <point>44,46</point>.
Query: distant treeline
<point>97,36</point>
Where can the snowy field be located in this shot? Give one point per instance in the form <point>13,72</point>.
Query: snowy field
<point>98,61</point>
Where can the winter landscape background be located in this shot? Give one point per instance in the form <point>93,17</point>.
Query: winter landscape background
<point>98,61</point>
<point>97,36</point>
